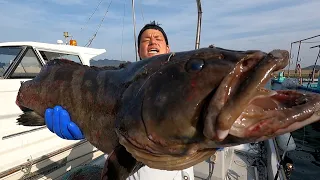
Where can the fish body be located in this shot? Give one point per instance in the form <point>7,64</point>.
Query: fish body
<point>170,111</point>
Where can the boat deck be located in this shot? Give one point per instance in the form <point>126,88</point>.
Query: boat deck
<point>239,163</point>
<point>243,162</point>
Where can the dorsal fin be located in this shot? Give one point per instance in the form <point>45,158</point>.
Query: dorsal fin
<point>122,65</point>
<point>67,62</point>
<point>62,62</point>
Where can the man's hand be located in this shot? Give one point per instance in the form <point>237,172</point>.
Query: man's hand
<point>58,121</point>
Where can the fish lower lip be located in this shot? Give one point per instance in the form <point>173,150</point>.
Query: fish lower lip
<point>285,111</point>
<point>239,87</point>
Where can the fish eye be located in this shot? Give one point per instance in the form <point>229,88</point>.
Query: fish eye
<point>194,65</point>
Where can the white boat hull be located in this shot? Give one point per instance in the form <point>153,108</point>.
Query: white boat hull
<point>35,151</point>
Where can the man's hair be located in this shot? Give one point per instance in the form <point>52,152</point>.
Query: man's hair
<point>152,25</point>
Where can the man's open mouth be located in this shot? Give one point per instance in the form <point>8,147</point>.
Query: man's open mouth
<point>153,51</point>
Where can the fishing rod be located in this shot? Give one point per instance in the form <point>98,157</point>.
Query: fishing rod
<point>198,24</point>
<point>134,29</point>
<point>197,44</point>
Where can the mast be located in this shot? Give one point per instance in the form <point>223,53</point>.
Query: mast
<point>198,24</point>
<point>134,30</point>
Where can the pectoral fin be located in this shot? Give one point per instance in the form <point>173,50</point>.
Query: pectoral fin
<point>120,165</point>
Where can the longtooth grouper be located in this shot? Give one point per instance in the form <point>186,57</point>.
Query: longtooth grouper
<point>170,111</point>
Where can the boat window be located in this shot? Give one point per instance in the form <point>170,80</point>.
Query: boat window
<point>48,56</point>
<point>7,56</point>
<point>29,66</point>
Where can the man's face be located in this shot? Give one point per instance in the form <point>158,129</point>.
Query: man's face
<point>152,43</point>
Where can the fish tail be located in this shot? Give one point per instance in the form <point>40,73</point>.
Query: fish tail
<point>30,118</point>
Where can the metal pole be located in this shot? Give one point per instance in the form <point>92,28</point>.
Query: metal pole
<point>134,30</point>
<point>315,46</point>
<point>198,24</point>
<point>306,39</point>
<point>298,54</point>
<point>314,67</point>
<point>289,60</point>
<point>299,41</point>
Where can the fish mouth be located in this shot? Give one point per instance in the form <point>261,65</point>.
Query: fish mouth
<point>22,108</point>
<point>251,111</point>
<point>281,112</point>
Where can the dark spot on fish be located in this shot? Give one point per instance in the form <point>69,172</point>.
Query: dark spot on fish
<point>90,86</point>
<point>141,75</point>
<point>88,83</point>
<point>160,100</point>
<point>193,83</point>
<point>98,134</point>
<point>245,63</point>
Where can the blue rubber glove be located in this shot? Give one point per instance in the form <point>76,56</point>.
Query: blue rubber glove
<point>58,121</point>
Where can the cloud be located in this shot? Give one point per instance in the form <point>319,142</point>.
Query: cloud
<point>246,24</point>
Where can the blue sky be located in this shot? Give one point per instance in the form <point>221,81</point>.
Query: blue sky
<point>234,24</point>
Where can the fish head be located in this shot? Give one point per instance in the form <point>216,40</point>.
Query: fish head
<point>188,99</point>
<point>177,94</point>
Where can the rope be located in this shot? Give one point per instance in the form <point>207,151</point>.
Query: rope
<point>141,11</point>
<point>95,34</point>
<point>85,25</point>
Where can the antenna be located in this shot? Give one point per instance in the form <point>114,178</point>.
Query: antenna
<point>66,35</point>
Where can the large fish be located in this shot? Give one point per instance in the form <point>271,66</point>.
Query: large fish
<point>170,111</point>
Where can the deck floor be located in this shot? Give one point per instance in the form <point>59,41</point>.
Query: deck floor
<point>237,168</point>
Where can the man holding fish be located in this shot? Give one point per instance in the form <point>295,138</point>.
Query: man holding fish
<point>152,41</point>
